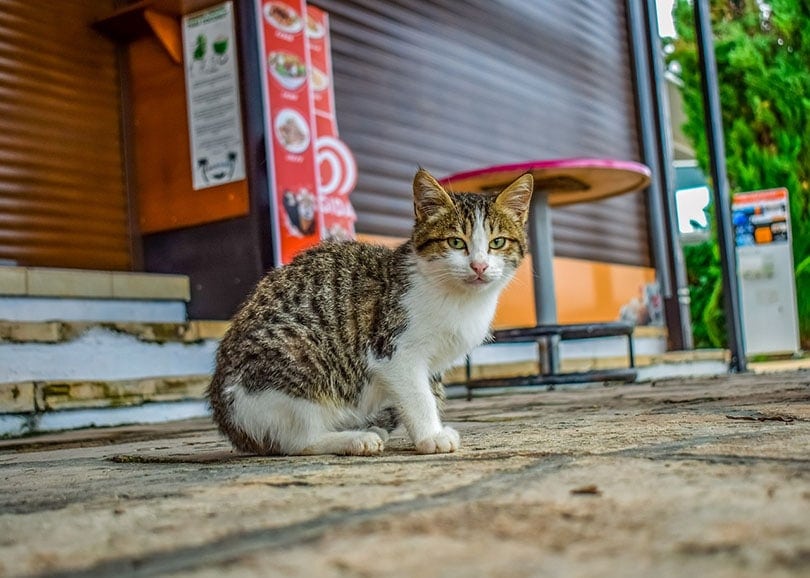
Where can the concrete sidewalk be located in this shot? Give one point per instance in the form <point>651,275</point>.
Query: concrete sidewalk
<point>706,477</point>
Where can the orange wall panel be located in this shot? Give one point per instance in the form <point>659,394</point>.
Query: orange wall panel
<point>587,291</point>
<point>166,198</point>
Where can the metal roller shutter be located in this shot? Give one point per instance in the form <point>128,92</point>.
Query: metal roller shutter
<point>458,85</point>
<point>62,195</point>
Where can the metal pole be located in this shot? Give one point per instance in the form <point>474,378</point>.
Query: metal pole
<point>659,239</point>
<point>678,304</point>
<point>541,243</point>
<point>717,156</point>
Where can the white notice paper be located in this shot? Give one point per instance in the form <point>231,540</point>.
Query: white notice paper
<point>212,95</point>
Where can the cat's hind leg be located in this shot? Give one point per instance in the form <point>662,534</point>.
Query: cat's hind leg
<point>383,422</point>
<point>294,426</point>
<point>352,443</point>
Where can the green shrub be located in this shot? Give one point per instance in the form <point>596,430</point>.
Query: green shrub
<point>762,52</point>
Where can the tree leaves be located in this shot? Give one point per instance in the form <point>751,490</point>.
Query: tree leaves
<point>762,52</point>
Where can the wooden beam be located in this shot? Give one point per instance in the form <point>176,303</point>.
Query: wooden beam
<point>167,30</point>
<point>141,19</point>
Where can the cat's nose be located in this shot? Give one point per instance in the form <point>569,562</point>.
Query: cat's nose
<point>479,267</point>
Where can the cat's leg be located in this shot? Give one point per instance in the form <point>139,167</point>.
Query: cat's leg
<point>381,417</point>
<point>437,387</point>
<point>384,422</point>
<point>409,384</point>
<point>421,418</point>
<point>294,426</point>
<point>352,443</point>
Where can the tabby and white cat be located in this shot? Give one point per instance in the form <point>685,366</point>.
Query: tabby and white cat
<point>334,350</point>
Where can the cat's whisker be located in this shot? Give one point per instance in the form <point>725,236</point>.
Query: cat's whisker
<point>520,282</point>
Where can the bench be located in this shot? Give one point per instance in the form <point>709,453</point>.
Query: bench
<point>543,335</point>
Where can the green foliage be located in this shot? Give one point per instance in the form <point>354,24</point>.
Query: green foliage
<point>703,273</point>
<point>762,52</point>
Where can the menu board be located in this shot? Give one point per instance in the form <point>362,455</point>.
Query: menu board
<point>289,126</point>
<point>337,170</point>
<point>212,93</point>
<point>312,171</point>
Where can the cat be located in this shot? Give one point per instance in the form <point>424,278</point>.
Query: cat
<point>333,351</point>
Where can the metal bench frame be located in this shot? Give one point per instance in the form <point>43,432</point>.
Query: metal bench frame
<point>545,335</point>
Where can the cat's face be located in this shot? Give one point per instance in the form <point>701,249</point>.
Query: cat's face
<point>471,241</point>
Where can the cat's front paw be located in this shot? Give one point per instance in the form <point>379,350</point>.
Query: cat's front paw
<point>444,442</point>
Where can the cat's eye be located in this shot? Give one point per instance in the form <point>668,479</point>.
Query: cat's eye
<point>456,243</point>
<point>497,243</point>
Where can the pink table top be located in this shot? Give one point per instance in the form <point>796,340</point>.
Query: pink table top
<point>565,181</point>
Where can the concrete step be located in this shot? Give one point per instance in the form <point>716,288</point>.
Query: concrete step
<point>41,405</point>
<point>65,350</point>
<point>68,374</point>
<point>50,350</point>
<point>580,355</point>
<point>42,294</point>
<point>650,366</point>
<point>52,405</point>
<point>60,395</point>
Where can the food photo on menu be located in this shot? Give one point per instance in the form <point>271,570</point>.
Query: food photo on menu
<point>283,17</point>
<point>299,209</point>
<point>318,79</point>
<point>287,69</point>
<point>292,131</point>
<point>314,29</point>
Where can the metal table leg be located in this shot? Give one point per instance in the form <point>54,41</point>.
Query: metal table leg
<point>541,243</point>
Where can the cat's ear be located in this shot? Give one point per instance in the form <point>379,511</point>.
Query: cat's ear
<point>429,197</point>
<point>514,199</point>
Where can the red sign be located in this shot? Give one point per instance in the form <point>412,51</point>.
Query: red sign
<point>289,127</point>
<point>337,170</point>
<point>311,171</point>
<point>320,73</point>
<point>770,195</point>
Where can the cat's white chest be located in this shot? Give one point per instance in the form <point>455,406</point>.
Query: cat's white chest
<point>443,327</point>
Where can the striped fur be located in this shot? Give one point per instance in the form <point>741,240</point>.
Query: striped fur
<point>338,347</point>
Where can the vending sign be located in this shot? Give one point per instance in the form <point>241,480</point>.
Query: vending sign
<point>761,218</point>
<point>765,272</point>
<point>308,164</point>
